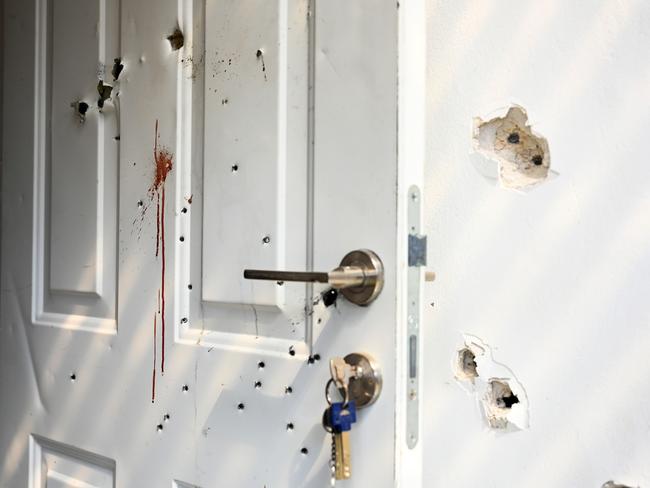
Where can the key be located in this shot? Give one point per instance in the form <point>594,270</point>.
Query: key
<point>341,373</point>
<point>341,418</point>
<point>328,428</point>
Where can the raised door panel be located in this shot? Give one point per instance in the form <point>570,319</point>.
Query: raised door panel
<point>75,209</point>
<point>245,176</point>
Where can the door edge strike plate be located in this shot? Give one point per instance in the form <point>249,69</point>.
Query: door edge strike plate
<point>417,258</point>
<point>359,276</point>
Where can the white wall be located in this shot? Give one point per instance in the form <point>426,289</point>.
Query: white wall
<point>556,281</point>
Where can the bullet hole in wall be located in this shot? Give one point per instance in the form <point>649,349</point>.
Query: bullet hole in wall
<point>176,39</point>
<point>500,395</point>
<point>522,157</point>
<point>467,363</point>
<point>290,426</point>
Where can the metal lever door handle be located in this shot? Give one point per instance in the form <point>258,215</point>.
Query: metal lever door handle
<point>360,276</point>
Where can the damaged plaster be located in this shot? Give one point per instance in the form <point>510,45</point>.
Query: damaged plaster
<point>501,397</point>
<point>522,156</point>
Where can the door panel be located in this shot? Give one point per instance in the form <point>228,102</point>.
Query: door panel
<point>75,214</point>
<point>56,465</point>
<point>244,175</point>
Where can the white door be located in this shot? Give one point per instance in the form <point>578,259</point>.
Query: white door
<point>153,151</point>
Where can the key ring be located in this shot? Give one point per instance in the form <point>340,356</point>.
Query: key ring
<point>346,396</point>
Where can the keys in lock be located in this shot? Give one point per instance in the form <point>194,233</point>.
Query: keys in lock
<point>358,381</point>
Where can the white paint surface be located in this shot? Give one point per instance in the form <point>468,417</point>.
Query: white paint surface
<point>556,280</point>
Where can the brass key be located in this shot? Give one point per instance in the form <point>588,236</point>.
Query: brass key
<point>342,466</point>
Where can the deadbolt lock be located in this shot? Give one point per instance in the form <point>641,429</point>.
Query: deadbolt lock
<point>359,276</point>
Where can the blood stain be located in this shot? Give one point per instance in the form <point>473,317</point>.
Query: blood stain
<point>163,165</point>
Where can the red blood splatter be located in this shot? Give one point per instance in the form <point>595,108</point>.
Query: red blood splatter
<point>163,165</point>
<point>153,377</point>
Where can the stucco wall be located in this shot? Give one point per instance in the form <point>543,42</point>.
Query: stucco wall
<point>555,281</point>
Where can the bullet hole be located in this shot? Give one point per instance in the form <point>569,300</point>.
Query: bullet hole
<point>117,138</point>
<point>159,427</point>
<point>184,320</point>
<point>304,451</point>
<point>290,426</point>
<point>181,238</point>
<point>522,156</point>
<point>140,203</point>
<point>189,287</point>
<point>224,101</point>
<point>502,394</point>
<point>292,351</point>
<point>81,108</point>
<point>184,210</point>
<point>311,360</point>
<point>117,68</point>
<point>234,168</point>
<point>280,283</point>
<point>266,240</point>
<point>288,390</point>
<point>317,357</point>
<point>261,365</point>
<point>258,385</point>
<point>166,417</point>
<point>176,39</point>
<point>467,363</point>
<point>104,93</point>
<point>185,388</point>
<point>241,407</point>
<point>73,377</point>
<point>319,320</point>
<point>329,297</point>
<point>503,399</point>
<point>260,56</point>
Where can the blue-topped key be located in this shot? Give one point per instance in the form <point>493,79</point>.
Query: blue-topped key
<point>342,416</point>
